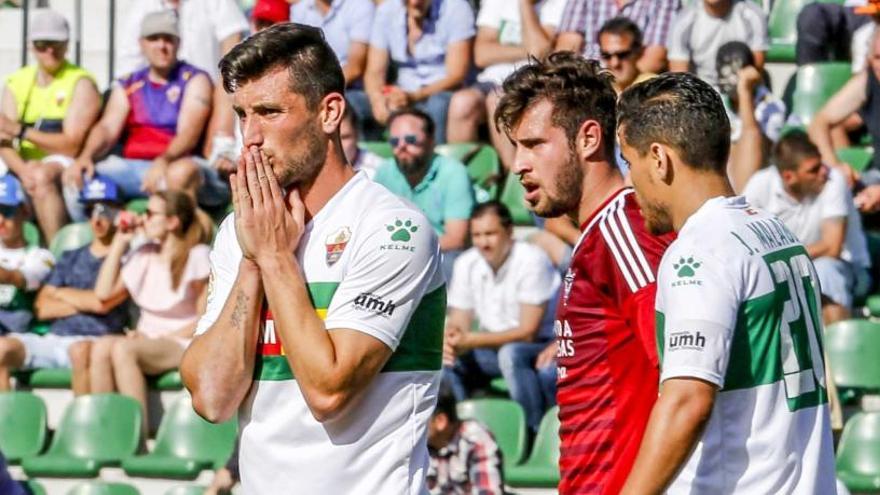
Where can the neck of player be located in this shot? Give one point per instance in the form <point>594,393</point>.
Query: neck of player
<point>601,180</point>
<point>691,192</point>
<point>333,176</point>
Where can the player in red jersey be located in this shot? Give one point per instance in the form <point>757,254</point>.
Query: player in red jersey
<point>560,114</point>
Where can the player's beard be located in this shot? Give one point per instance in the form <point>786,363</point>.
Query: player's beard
<point>656,215</point>
<point>302,169</point>
<point>568,186</point>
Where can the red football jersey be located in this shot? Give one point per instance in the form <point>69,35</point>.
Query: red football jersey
<point>607,356</point>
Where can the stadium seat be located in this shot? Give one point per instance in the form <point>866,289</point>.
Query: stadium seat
<point>512,195</point>
<point>23,419</point>
<point>782,28</point>
<point>102,488</point>
<point>815,84</point>
<point>96,431</point>
<point>170,380</point>
<point>499,386</point>
<point>33,487</point>
<point>381,148</point>
<point>542,467</point>
<point>186,490</point>
<point>853,347</point>
<point>44,378</point>
<point>31,234</point>
<point>185,445</point>
<point>505,419</point>
<point>71,236</point>
<point>857,157</point>
<point>858,454</point>
<point>138,206</point>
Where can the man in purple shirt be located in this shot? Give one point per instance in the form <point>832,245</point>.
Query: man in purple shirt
<point>582,20</point>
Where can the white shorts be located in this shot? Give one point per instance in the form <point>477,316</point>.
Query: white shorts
<point>47,351</point>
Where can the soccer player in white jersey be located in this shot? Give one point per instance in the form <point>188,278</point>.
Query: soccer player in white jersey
<point>743,406</point>
<point>324,323</point>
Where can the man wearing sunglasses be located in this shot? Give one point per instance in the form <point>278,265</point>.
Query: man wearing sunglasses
<point>620,48</point>
<point>438,185</point>
<point>47,110</point>
<point>67,300</point>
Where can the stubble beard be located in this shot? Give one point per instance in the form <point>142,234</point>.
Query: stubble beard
<point>568,185</point>
<point>302,169</point>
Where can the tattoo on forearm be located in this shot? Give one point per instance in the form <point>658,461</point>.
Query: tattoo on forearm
<point>239,310</point>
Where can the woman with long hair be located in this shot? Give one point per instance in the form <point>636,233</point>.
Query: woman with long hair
<point>167,278</point>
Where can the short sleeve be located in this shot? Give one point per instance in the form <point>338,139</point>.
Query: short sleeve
<point>551,13</point>
<point>228,19</point>
<point>696,337</point>
<point>361,21</point>
<point>459,200</point>
<point>460,295</point>
<point>679,32</point>
<point>198,264</point>
<point>539,280</point>
<point>37,264</point>
<point>460,22</point>
<point>381,24</point>
<point>387,278</point>
<point>835,197</point>
<point>224,258</point>
<point>490,15</point>
<point>759,40</point>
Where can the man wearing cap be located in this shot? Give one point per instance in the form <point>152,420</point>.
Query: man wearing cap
<point>47,110</point>
<point>22,267</point>
<point>67,300</point>
<point>159,113</point>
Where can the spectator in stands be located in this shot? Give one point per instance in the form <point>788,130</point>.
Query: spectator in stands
<point>829,31</point>
<point>510,288</point>
<point>429,44</point>
<point>167,279</point>
<point>620,48</point>
<point>159,113</point>
<point>506,35</point>
<point>815,203</point>
<point>22,267</point>
<point>208,29</point>
<point>756,116</point>
<point>359,158</point>
<point>438,185</point>
<point>860,94</point>
<point>582,20</point>
<point>224,143</point>
<point>464,456</point>
<point>68,301</point>
<point>48,108</point>
<point>699,31</point>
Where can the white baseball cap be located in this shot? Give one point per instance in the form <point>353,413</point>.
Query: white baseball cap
<point>48,25</point>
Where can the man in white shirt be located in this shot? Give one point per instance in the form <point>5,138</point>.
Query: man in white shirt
<point>698,32</point>
<point>814,202</point>
<point>509,287</point>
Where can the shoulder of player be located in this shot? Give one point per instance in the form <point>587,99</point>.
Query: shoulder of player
<point>384,211</point>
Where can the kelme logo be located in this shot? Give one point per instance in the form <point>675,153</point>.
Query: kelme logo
<point>686,267</point>
<point>401,231</point>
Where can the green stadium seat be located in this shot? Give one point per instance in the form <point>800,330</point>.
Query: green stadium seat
<point>541,470</point>
<point>103,488</point>
<point>499,386</point>
<point>34,487</point>
<point>23,419</point>
<point>71,236</point>
<point>781,26</point>
<point>815,84</point>
<point>858,454</point>
<point>31,234</point>
<point>96,431</point>
<point>170,380</point>
<point>852,347</point>
<point>138,206</point>
<point>186,490</point>
<point>185,445</point>
<point>44,378</point>
<point>505,419</point>
<point>381,148</point>
<point>859,158</point>
<point>512,195</point>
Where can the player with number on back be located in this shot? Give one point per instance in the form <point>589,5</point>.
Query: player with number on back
<point>743,405</point>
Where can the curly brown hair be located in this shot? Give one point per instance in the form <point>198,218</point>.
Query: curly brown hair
<point>579,90</point>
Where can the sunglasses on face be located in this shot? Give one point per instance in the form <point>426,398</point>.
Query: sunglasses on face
<point>412,139</point>
<point>102,211</point>
<point>43,45</point>
<point>622,54</point>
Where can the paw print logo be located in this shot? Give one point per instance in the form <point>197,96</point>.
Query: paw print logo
<point>401,230</point>
<point>686,267</point>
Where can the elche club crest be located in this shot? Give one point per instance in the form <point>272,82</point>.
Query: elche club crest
<point>335,244</point>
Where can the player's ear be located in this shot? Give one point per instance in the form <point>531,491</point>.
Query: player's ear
<point>661,164</point>
<point>330,112</point>
<point>589,140</point>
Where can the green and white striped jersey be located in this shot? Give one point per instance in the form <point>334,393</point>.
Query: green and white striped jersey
<point>372,263</point>
<point>738,306</point>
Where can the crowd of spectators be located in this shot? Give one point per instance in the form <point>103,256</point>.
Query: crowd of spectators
<point>418,74</point>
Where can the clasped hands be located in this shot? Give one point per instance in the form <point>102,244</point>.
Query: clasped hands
<point>268,223</point>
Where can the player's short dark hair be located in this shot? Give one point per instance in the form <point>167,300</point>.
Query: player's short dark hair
<point>621,26</point>
<point>426,119</point>
<point>446,402</point>
<point>579,90</point>
<point>793,148</point>
<point>681,111</point>
<point>496,208</point>
<point>313,68</point>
